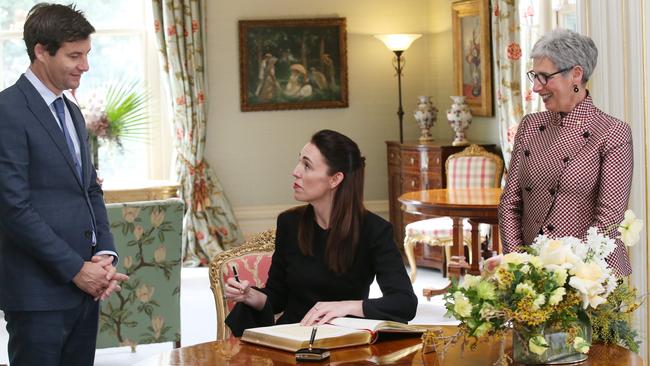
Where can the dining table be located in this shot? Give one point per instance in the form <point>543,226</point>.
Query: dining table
<point>479,205</point>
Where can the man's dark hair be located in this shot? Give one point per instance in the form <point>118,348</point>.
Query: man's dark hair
<point>53,24</point>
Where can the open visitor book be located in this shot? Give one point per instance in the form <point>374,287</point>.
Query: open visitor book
<point>339,332</point>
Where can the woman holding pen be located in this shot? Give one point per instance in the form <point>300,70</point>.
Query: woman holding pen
<point>327,252</point>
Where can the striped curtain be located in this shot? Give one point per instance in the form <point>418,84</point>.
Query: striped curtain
<point>209,224</point>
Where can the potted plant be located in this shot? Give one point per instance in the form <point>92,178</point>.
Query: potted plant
<point>556,298</point>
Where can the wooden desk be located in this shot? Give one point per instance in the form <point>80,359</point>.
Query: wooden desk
<point>478,205</point>
<point>397,351</point>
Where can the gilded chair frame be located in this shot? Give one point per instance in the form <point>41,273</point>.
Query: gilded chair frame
<point>260,243</point>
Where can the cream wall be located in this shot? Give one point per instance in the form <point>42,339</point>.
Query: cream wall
<point>253,153</point>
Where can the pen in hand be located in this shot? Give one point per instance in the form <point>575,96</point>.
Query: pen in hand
<point>313,337</point>
<point>234,271</point>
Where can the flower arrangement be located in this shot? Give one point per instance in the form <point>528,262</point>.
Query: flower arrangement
<point>119,113</point>
<point>561,285</point>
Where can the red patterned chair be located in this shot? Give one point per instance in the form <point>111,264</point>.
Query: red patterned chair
<point>473,167</point>
<point>252,260</point>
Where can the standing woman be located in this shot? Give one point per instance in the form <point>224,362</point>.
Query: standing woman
<point>571,165</point>
<point>327,252</point>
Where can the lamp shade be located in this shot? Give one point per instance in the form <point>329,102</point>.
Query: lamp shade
<point>398,42</point>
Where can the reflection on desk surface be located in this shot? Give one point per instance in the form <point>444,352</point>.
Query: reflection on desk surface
<point>399,350</point>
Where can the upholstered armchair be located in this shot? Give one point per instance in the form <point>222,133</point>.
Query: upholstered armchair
<point>147,310</point>
<point>474,167</point>
<point>252,261</point>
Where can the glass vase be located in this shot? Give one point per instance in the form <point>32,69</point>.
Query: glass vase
<point>560,349</point>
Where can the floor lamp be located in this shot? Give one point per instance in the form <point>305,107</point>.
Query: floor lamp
<point>398,43</point>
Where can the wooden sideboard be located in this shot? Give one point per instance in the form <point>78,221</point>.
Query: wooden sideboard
<point>414,166</point>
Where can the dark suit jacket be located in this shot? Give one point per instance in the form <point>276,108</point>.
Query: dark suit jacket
<point>46,213</point>
<point>566,175</point>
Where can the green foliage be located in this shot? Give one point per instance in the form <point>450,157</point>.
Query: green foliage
<point>126,109</point>
<point>610,321</point>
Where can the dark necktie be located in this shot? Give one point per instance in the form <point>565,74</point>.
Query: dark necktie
<point>60,113</point>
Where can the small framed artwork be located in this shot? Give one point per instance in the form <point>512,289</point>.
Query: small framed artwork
<point>473,54</point>
<point>293,64</point>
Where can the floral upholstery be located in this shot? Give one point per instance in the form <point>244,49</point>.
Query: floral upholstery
<point>473,167</point>
<point>252,261</point>
<point>148,240</point>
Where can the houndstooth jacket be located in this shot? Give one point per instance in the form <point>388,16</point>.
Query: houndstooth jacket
<point>566,175</point>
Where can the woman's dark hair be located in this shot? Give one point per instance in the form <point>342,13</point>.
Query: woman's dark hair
<point>53,24</point>
<point>341,155</point>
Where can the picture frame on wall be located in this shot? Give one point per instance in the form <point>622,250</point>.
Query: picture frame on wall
<point>473,54</point>
<point>293,64</point>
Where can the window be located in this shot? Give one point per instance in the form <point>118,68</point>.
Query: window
<point>122,50</point>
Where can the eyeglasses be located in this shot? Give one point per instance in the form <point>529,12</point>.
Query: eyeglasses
<point>543,77</point>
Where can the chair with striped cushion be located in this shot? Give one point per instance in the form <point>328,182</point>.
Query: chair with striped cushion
<point>473,167</point>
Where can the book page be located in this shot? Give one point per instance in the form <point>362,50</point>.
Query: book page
<point>375,325</point>
<point>301,333</point>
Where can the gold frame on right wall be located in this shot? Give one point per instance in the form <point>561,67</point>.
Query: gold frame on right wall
<point>473,54</point>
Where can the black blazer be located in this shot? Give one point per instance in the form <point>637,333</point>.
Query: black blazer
<point>46,212</point>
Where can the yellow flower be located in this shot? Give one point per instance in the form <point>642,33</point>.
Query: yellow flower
<point>144,292</point>
<point>538,302</point>
<point>581,345</point>
<point>630,228</point>
<point>556,296</point>
<point>560,275</point>
<point>525,289</point>
<point>557,254</point>
<point>160,253</point>
<point>537,345</point>
<point>515,258</point>
<point>485,290</point>
<point>157,216</point>
<point>470,281</point>
<point>462,306</point>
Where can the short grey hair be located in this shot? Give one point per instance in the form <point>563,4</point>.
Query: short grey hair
<point>567,49</point>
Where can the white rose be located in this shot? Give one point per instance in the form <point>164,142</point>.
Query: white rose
<point>555,254</point>
<point>587,279</point>
<point>470,281</point>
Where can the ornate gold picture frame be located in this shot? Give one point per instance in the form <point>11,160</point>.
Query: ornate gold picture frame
<point>473,54</point>
<point>293,64</point>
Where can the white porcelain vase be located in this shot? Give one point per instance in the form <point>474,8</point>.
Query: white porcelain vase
<point>459,118</point>
<point>425,115</point>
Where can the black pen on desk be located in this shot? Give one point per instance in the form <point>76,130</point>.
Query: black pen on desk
<point>313,337</point>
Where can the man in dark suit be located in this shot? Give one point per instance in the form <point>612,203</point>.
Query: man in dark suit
<point>56,251</point>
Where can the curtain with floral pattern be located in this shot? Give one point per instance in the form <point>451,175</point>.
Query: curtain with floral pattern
<point>209,223</point>
<point>515,28</point>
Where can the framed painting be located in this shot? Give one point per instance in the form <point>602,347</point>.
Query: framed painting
<point>473,54</point>
<point>293,64</point>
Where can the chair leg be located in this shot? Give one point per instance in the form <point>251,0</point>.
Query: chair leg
<point>410,255</point>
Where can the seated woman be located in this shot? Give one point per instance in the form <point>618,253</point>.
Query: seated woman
<point>328,252</point>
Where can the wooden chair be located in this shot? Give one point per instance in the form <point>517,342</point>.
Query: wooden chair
<point>252,260</point>
<point>473,167</point>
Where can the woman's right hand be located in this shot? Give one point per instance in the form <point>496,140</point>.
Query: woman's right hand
<point>242,292</point>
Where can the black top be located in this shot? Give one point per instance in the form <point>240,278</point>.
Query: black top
<point>296,282</point>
